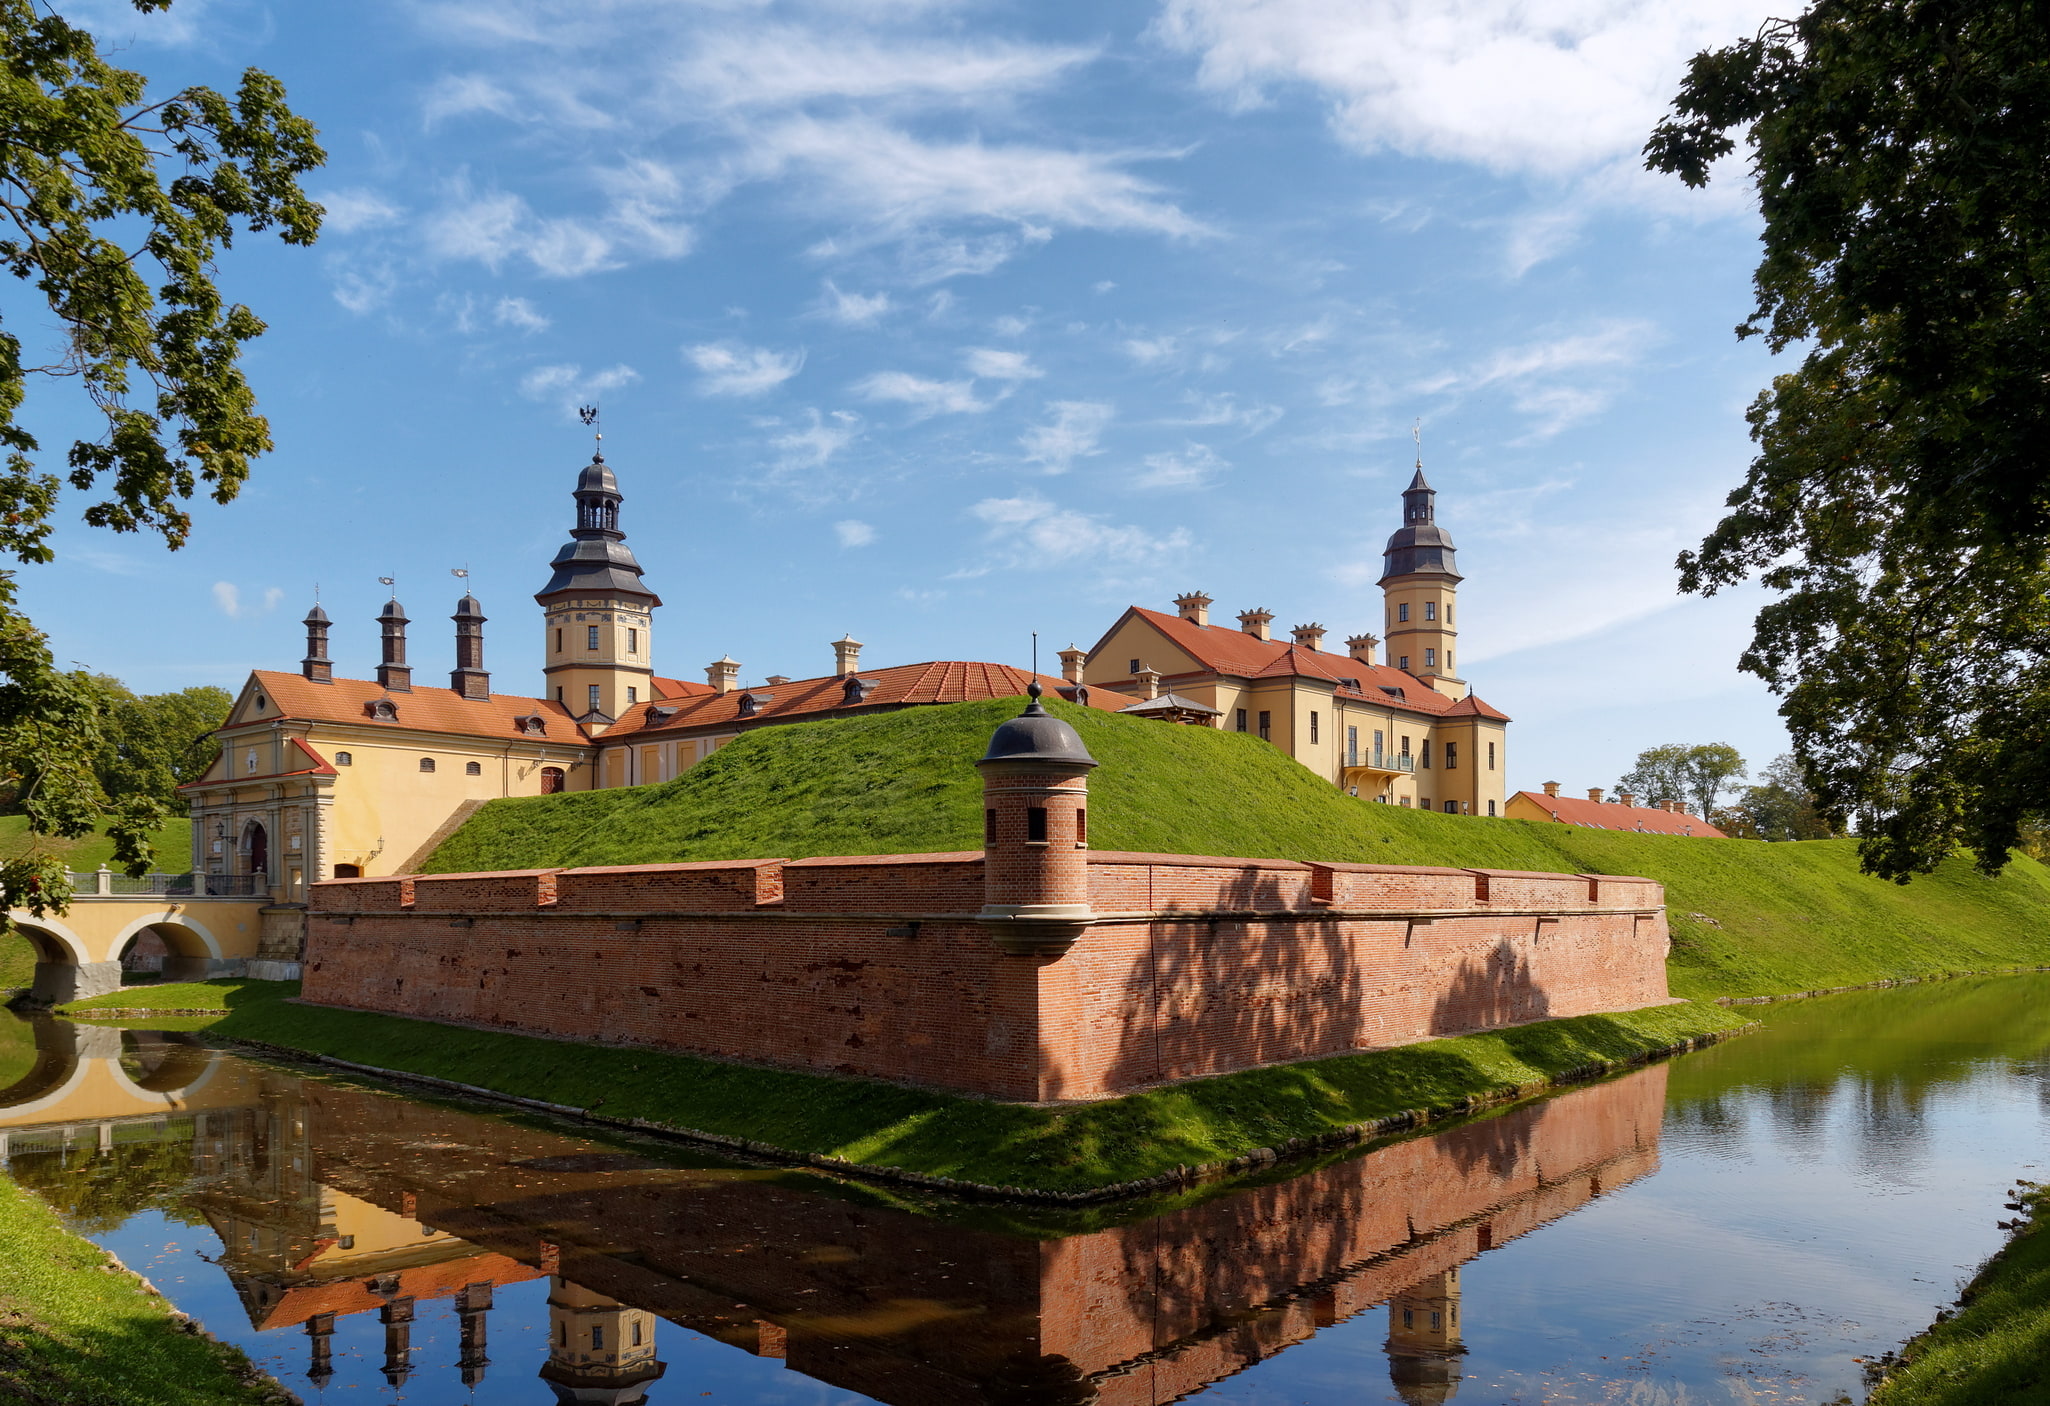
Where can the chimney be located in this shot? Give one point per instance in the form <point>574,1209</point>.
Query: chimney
<point>392,674</point>
<point>846,656</point>
<point>316,665</point>
<point>1149,683</point>
<point>1255,621</point>
<point>723,674</point>
<point>1626,798</point>
<point>1594,793</point>
<point>775,679</point>
<point>1194,608</point>
<point>1071,663</point>
<point>1310,636</point>
<point>468,678</point>
<point>1362,647</point>
<point>1551,788</point>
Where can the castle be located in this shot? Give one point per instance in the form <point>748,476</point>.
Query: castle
<point>325,777</point>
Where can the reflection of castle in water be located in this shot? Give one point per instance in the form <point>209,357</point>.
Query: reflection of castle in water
<point>332,1201</point>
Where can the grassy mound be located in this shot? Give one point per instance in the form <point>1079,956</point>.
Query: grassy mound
<point>1002,1144</point>
<point>1748,918</point>
<point>163,996</point>
<point>74,1331</point>
<point>1995,1349</point>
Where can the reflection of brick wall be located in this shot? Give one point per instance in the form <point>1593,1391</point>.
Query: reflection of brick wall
<point>875,965</point>
<point>915,1311</point>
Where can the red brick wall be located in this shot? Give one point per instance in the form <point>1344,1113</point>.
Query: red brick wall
<point>873,966</point>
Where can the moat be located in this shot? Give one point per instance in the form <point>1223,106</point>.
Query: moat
<point>1743,1224</point>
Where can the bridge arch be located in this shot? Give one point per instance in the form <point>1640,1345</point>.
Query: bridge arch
<point>194,952</point>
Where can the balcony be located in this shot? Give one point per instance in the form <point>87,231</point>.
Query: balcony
<point>1382,763</point>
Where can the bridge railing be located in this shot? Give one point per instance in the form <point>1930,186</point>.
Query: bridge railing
<point>107,883</point>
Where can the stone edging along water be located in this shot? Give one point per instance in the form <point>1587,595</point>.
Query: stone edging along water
<point>1181,1177</point>
<point>1879,985</point>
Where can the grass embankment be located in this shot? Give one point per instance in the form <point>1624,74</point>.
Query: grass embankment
<point>1776,918</point>
<point>995,1144</point>
<point>161,996</point>
<point>1995,1349</point>
<point>74,1329</point>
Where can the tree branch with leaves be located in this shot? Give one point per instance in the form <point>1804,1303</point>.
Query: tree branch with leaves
<point>86,163</point>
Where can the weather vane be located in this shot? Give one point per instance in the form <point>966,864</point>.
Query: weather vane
<point>589,415</point>
<point>391,581</point>
<point>1416,432</point>
<point>460,572</point>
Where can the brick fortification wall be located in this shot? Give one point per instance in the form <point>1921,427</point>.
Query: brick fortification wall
<point>878,966</point>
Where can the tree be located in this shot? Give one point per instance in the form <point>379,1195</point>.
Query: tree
<point>1679,774</point>
<point>157,742</point>
<point>1899,504</point>
<point>114,209</point>
<point>1781,807</point>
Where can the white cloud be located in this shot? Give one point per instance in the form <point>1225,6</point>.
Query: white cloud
<point>1195,466</point>
<point>518,312</point>
<point>494,227</point>
<point>568,386</point>
<point>852,309</point>
<point>785,66</point>
<point>228,597</point>
<point>729,368</point>
<point>1102,286</point>
<point>1150,351</point>
<point>1030,531</point>
<point>926,398</point>
<point>458,95</point>
<point>995,365</point>
<point>1072,434</point>
<point>355,208</point>
<point>1224,409</point>
<point>1559,90</point>
<point>814,446</point>
<point>1011,326</point>
<point>1559,382</point>
<point>854,533</point>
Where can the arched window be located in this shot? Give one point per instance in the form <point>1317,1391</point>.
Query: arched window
<point>345,759</point>
<point>551,780</point>
<point>473,768</point>
<point>427,764</point>
<point>348,871</point>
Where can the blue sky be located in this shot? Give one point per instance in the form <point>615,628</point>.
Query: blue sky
<point>945,321</point>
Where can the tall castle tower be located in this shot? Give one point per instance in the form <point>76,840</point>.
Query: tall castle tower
<point>599,644</point>
<point>1420,582</point>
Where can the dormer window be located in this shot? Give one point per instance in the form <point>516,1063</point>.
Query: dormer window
<point>382,709</point>
<point>533,725</point>
<point>659,714</point>
<point>854,690</point>
<point>751,703</point>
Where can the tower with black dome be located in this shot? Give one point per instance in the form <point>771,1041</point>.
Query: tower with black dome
<point>596,611</point>
<point>1420,584</point>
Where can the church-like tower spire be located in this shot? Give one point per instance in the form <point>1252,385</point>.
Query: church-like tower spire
<point>597,610</point>
<point>1420,584</point>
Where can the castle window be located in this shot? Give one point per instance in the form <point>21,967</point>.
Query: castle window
<point>633,695</point>
<point>1430,659</point>
<point>558,641</point>
<point>348,871</point>
<point>259,702</point>
<point>1405,746</point>
<point>751,703</point>
<point>427,764</point>
<point>1448,661</point>
<point>633,641</point>
<point>382,709</point>
<point>637,1332</point>
<point>1380,744</point>
<point>855,690</point>
<point>345,759</point>
<point>1313,727</point>
<point>598,1336</point>
<point>591,698</point>
<point>551,780</point>
<point>1404,665</point>
<point>1491,807</point>
<point>1491,756</point>
<point>558,693</point>
<point>1035,824</point>
<point>533,725</point>
<point>590,637</point>
<point>1430,610</point>
<point>1402,611</point>
<point>473,768</point>
<point>1426,759</point>
<point>1448,612</point>
<point>1266,726</point>
<point>1135,667</point>
<point>1239,719</point>
<point>1081,827</point>
<point>1451,756</point>
<point>1451,808</point>
<point>1352,743</point>
<point>989,827</point>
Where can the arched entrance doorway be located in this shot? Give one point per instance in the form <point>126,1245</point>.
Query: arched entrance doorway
<point>254,847</point>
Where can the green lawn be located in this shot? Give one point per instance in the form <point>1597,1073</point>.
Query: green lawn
<point>17,963</point>
<point>72,1333</point>
<point>173,845</point>
<point>1995,1350</point>
<point>1774,917</point>
<point>162,996</point>
<point>1068,1149</point>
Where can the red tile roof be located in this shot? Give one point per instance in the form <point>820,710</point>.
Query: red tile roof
<point>676,688</point>
<point>1608,815</point>
<point>433,1281</point>
<point>427,709</point>
<point>1234,652</point>
<point>938,681</point>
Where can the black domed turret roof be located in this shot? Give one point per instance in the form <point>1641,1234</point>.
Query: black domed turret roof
<point>1419,546</point>
<point>1036,735</point>
<point>316,616</point>
<point>392,610</point>
<point>596,559</point>
<point>597,477</point>
<point>469,607</point>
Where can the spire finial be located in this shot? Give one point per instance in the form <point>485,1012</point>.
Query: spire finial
<point>1416,432</point>
<point>589,415</point>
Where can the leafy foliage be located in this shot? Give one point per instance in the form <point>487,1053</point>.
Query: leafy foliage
<point>113,209</point>
<point>1781,807</point>
<point>1679,774</point>
<point>1900,501</point>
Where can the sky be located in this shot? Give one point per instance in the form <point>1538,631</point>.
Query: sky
<point>942,322</point>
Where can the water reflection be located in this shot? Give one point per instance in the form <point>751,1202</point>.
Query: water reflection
<point>334,1203</point>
